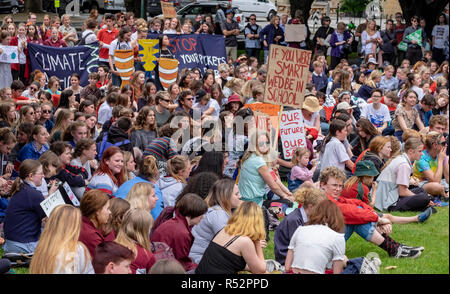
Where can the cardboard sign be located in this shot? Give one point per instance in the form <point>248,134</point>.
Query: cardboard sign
<point>292,132</point>
<point>9,54</point>
<point>168,9</point>
<point>266,118</point>
<point>287,76</point>
<point>294,32</point>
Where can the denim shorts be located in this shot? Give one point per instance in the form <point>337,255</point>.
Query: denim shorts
<point>365,230</point>
<point>17,247</point>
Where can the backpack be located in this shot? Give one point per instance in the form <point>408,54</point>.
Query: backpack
<point>104,144</point>
<point>82,41</point>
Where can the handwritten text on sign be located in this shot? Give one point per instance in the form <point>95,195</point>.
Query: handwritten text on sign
<point>287,76</point>
<point>292,132</point>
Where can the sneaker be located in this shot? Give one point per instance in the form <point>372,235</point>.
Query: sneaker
<point>421,248</point>
<point>403,252</point>
<point>425,215</point>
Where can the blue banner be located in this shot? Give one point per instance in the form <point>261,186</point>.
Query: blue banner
<point>203,51</point>
<point>63,62</point>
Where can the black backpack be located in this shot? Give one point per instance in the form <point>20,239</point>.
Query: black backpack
<point>82,41</point>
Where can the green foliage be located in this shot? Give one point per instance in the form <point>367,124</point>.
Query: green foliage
<point>354,6</point>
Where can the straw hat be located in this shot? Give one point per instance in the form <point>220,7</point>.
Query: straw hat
<point>311,103</point>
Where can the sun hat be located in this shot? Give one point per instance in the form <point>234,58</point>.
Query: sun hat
<point>234,98</point>
<point>372,60</point>
<point>365,168</point>
<point>311,103</point>
<point>344,105</point>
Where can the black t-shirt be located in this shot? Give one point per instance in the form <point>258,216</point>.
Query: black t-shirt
<point>230,41</point>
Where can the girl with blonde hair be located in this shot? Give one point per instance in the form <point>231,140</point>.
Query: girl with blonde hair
<point>142,195</point>
<point>134,234</point>
<point>307,198</point>
<point>62,121</point>
<point>238,246</point>
<point>365,91</point>
<point>59,250</point>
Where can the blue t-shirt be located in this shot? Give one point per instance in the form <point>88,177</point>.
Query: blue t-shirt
<point>123,190</point>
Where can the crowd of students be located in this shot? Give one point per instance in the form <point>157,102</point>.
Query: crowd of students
<point>182,181</point>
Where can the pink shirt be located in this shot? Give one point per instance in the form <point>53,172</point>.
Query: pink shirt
<point>301,173</point>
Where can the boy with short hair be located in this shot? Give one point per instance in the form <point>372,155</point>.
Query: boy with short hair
<point>363,219</point>
<point>112,258</point>
<point>92,89</point>
<point>319,78</point>
<point>425,108</point>
<point>377,113</point>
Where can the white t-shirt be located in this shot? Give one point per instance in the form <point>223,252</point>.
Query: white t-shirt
<point>440,34</point>
<point>212,103</point>
<point>376,116</point>
<point>315,246</point>
<point>91,38</point>
<point>114,46</point>
<point>419,92</point>
<point>81,263</point>
<point>366,40</point>
<point>334,155</point>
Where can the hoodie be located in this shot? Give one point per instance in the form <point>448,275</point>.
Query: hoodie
<point>116,135</point>
<point>170,189</point>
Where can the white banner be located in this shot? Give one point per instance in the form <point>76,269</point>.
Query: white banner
<point>9,54</point>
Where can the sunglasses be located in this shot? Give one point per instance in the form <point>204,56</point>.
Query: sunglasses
<point>260,144</point>
<point>190,99</point>
<point>46,111</point>
<point>33,88</point>
<point>167,100</point>
<point>443,143</point>
<point>252,18</point>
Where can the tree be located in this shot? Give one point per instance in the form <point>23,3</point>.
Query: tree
<point>355,7</point>
<point>428,9</point>
<point>303,5</point>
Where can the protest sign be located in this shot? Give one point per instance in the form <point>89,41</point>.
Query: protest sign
<point>266,118</point>
<point>63,195</point>
<point>51,202</point>
<point>63,62</point>
<point>416,36</point>
<point>295,33</point>
<point>292,132</point>
<point>149,53</point>
<point>168,72</point>
<point>197,50</point>
<point>287,76</point>
<point>168,9</point>
<point>124,62</point>
<point>9,54</point>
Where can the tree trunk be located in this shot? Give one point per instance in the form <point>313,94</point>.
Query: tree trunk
<point>304,6</point>
<point>421,8</point>
<point>33,6</point>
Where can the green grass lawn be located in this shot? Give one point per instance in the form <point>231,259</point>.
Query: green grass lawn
<point>433,235</point>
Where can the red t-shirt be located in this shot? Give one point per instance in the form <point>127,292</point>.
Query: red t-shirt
<point>106,36</point>
<point>144,261</point>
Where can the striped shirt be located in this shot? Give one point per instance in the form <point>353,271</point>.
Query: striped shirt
<point>102,182</point>
<point>161,148</point>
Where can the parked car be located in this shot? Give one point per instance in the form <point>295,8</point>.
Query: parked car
<point>191,10</point>
<point>104,5</point>
<point>12,6</point>
<point>261,8</point>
